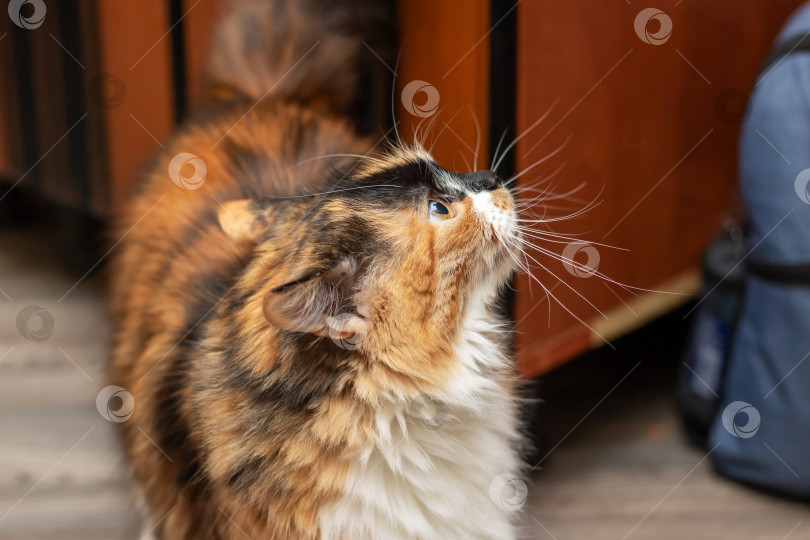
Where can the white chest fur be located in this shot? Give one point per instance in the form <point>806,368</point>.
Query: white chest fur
<point>439,466</point>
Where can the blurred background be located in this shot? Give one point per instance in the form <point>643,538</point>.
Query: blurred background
<point>660,149</point>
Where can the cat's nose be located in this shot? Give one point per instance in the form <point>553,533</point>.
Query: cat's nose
<point>480,181</point>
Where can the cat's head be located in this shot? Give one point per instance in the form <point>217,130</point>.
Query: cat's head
<point>388,263</point>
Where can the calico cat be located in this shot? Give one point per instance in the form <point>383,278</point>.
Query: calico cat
<point>307,334</point>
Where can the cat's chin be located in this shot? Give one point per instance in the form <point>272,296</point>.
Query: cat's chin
<point>505,260</point>
<point>499,269</point>
<point>505,264</point>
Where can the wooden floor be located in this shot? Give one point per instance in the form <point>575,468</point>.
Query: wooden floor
<point>60,474</point>
<point>622,472</point>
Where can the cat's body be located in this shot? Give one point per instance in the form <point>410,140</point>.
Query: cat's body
<point>320,366</point>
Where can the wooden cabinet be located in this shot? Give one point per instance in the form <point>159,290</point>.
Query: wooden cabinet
<point>640,127</point>
<point>87,97</point>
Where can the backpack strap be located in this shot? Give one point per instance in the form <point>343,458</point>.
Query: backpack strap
<point>800,43</point>
<point>776,273</point>
<point>798,274</point>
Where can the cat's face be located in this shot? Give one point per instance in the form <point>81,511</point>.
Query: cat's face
<point>389,263</point>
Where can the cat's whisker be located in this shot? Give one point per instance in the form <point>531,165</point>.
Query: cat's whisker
<point>432,123</point>
<point>427,122</point>
<point>572,236</point>
<point>542,196</point>
<point>393,94</point>
<point>325,156</point>
<point>536,218</point>
<point>549,195</point>
<point>477,139</point>
<point>543,235</point>
<point>441,131</point>
<point>528,233</point>
<point>586,268</point>
<point>530,190</point>
<point>567,196</point>
<point>498,147</point>
<point>546,184</point>
<point>525,268</point>
<point>535,185</point>
<point>596,201</point>
<point>522,265</point>
<point>532,211</point>
<point>562,305</point>
<point>539,196</point>
<point>564,240</point>
<point>497,163</point>
<point>536,210</point>
<point>539,161</point>
<point>559,257</point>
<point>573,215</point>
<point>573,263</point>
<point>464,158</point>
<point>524,234</point>
<point>530,205</point>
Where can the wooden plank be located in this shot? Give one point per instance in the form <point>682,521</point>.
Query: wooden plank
<point>6,163</point>
<point>14,147</point>
<point>103,513</point>
<point>200,24</point>
<point>632,312</point>
<point>637,310</point>
<point>447,48</point>
<point>78,439</point>
<point>52,175</point>
<point>96,163</point>
<point>539,355</point>
<point>627,464</point>
<point>135,50</point>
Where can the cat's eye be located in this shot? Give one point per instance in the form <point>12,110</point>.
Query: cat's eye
<point>439,209</point>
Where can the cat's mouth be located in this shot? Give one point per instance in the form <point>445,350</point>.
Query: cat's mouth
<point>497,212</point>
<point>499,222</point>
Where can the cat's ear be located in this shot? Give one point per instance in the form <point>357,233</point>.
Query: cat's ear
<point>241,220</point>
<point>321,302</point>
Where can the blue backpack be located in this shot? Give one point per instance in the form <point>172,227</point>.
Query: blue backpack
<point>761,430</point>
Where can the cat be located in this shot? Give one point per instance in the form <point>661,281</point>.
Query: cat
<point>306,330</point>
